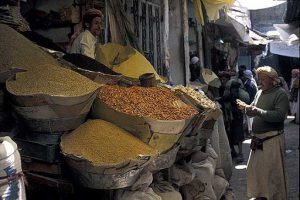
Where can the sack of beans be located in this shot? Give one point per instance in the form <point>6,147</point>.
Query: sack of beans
<point>153,114</point>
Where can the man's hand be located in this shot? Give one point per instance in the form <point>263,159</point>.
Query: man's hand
<point>242,105</point>
<point>249,110</point>
<point>252,112</point>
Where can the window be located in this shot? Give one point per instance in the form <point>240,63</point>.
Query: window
<point>147,25</point>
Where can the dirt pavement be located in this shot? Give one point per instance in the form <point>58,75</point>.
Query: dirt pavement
<point>238,180</point>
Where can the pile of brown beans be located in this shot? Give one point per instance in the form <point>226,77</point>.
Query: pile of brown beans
<point>153,102</point>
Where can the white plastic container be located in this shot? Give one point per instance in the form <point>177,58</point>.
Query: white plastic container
<point>11,177</point>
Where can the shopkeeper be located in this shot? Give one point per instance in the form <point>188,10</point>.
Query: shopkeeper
<point>84,42</point>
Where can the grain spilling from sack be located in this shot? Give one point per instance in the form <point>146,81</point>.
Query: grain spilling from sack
<point>18,51</point>
<point>153,102</point>
<point>104,143</point>
<point>51,80</point>
<point>124,60</point>
<point>202,100</point>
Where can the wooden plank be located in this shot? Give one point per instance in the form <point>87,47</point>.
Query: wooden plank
<point>35,166</point>
<point>61,185</point>
<point>185,26</point>
<point>166,39</point>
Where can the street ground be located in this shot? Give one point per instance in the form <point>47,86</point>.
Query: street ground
<point>238,179</point>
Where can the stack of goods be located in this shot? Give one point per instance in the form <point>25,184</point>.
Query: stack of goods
<point>16,52</point>
<point>51,98</point>
<point>153,114</point>
<point>105,155</point>
<point>48,100</point>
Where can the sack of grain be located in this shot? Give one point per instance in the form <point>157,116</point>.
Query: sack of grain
<point>51,99</point>
<point>147,194</point>
<point>154,115</point>
<point>50,84</point>
<point>166,191</point>
<point>164,161</point>
<point>105,155</point>
<point>125,60</point>
<point>19,52</point>
<point>225,151</point>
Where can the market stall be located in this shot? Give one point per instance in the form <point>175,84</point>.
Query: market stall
<point>82,124</point>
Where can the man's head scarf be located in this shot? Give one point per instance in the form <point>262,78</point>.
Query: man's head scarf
<point>194,60</point>
<point>295,72</point>
<point>89,15</point>
<point>94,11</point>
<point>270,72</point>
<point>248,74</point>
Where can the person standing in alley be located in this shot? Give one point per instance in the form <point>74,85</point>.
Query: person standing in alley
<point>266,176</point>
<point>233,117</point>
<point>294,90</point>
<point>249,84</point>
<point>195,69</point>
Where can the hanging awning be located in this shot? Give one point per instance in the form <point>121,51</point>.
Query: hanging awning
<point>286,30</point>
<point>285,49</point>
<point>257,4</point>
<point>257,39</point>
<point>212,8</point>
<point>240,31</point>
<point>288,44</point>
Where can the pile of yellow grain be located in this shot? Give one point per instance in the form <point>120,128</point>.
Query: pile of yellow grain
<point>51,80</point>
<point>103,143</point>
<point>153,102</point>
<point>18,51</point>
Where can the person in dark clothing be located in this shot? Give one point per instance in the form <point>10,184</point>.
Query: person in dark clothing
<point>242,68</point>
<point>233,117</point>
<point>249,84</point>
<point>195,69</point>
<point>237,128</point>
<point>251,87</point>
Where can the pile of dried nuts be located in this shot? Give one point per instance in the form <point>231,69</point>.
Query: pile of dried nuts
<point>202,100</point>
